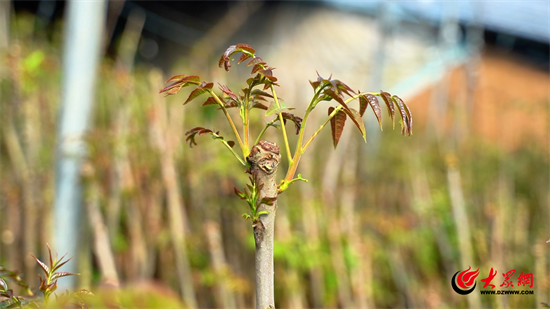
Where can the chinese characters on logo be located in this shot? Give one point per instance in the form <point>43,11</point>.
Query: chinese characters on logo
<point>523,280</point>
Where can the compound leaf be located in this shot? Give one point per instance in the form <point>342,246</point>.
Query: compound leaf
<point>193,132</point>
<point>225,59</point>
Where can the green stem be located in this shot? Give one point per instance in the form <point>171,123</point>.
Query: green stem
<point>281,120</point>
<point>244,150</point>
<point>297,155</point>
<point>233,152</point>
<point>264,129</point>
<point>301,149</point>
<point>246,122</point>
<point>339,107</point>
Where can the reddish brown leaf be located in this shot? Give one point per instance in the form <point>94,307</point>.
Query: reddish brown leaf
<point>409,116</point>
<point>204,131</point>
<point>254,61</point>
<point>192,133</point>
<point>297,120</point>
<point>257,67</point>
<point>44,267</point>
<point>231,143</point>
<point>62,274</point>
<point>260,106</point>
<point>345,88</point>
<point>203,88</point>
<point>228,92</point>
<point>211,101</point>
<point>337,125</point>
<point>391,109</point>
<point>314,84</point>
<point>194,79</point>
<point>58,265</point>
<point>245,47</point>
<point>239,193</point>
<point>406,123</point>
<point>335,97</point>
<point>231,103</point>
<point>48,245</point>
<point>178,82</point>
<point>258,92</point>
<point>357,120</point>
<point>375,105</point>
<point>225,59</point>
<point>353,114</point>
<point>363,103</point>
<point>268,200</point>
<point>243,58</point>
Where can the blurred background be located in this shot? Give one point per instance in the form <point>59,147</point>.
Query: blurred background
<point>94,161</point>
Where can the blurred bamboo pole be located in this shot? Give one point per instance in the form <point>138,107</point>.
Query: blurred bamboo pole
<point>130,39</point>
<point>178,223</point>
<point>5,14</point>
<point>541,280</point>
<point>153,225</point>
<point>21,167</point>
<point>223,297</point>
<point>101,244</point>
<point>361,276</point>
<point>126,53</point>
<point>292,285</point>
<point>310,221</point>
<point>138,247</point>
<point>83,39</point>
<point>334,232</point>
<point>461,221</point>
<point>217,36</point>
<point>423,206</point>
<point>401,278</point>
<point>236,257</point>
<point>13,228</point>
<point>13,235</point>
<point>31,141</point>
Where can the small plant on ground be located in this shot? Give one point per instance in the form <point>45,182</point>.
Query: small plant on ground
<point>48,285</point>
<point>261,159</point>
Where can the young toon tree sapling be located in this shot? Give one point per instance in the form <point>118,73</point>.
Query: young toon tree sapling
<point>262,159</point>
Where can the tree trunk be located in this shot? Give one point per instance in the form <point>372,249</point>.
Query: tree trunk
<point>264,160</point>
